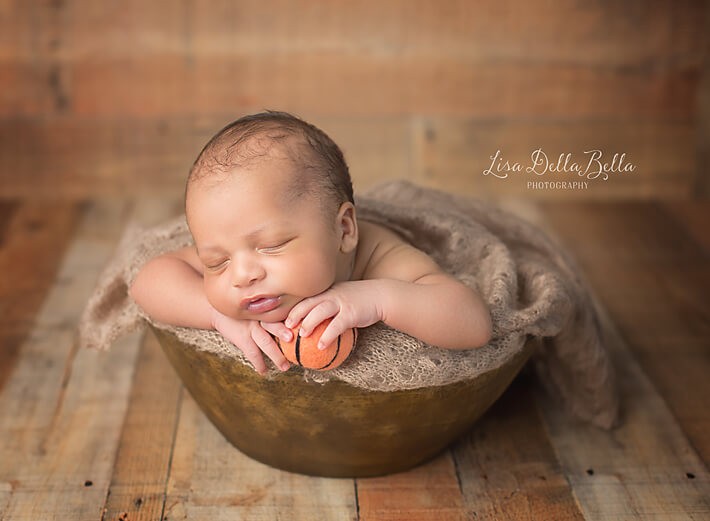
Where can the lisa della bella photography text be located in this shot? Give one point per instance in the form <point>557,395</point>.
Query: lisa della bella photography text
<point>593,167</point>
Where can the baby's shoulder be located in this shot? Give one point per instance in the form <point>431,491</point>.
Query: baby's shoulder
<point>389,255</point>
<point>377,235</point>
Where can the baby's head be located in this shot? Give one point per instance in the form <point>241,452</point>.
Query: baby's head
<point>319,168</point>
<point>269,203</point>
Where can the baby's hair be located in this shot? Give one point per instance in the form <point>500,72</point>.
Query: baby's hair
<point>320,165</point>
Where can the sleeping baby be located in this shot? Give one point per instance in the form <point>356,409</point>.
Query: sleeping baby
<point>277,242</point>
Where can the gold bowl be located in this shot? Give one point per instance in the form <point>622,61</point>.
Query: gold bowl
<point>332,429</point>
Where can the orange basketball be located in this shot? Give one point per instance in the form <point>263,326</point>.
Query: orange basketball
<point>305,352</point>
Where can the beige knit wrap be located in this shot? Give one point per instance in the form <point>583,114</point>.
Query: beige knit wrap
<point>531,286</point>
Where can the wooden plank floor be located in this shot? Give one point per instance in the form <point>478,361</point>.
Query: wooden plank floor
<point>114,436</point>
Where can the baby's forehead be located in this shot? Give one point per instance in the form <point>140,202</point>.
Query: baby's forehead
<point>301,215</point>
<point>285,192</point>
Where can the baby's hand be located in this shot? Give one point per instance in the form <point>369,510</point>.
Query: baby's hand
<point>351,304</point>
<point>251,339</point>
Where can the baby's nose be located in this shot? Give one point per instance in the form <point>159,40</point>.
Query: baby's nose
<point>245,272</point>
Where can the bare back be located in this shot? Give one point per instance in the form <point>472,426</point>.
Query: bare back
<point>383,254</point>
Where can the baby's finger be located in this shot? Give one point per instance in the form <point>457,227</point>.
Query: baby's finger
<point>336,327</point>
<point>268,346</point>
<point>299,311</point>
<point>317,315</point>
<point>253,354</point>
<point>278,329</point>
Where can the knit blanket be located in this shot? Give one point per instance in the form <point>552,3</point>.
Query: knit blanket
<point>532,287</point>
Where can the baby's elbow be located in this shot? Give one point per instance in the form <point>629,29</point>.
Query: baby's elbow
<point>143,283</point>
<point>485,330</point>
<point>137,289</point>
<point>134,290</point>
<point>485,338</point>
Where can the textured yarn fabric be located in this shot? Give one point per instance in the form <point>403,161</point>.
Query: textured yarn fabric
<point>531,286</point>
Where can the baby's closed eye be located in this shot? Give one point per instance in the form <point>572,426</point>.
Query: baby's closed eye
<point>276,246</point>
<point>215,265</point>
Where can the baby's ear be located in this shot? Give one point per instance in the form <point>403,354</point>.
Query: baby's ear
<point>347,223</point>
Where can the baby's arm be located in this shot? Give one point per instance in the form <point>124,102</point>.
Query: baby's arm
<point>437,310</point>
<point>170,289</point>
<point>406,290</point>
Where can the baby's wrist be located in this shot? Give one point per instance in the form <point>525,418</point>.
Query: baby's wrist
<point>384,295</point>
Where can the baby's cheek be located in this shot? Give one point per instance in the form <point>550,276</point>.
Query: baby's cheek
<point>312,274</point>
<point>217,297</point>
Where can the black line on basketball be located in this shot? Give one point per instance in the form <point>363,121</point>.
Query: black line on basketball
<point>298,350</point>
<point>337,350</point>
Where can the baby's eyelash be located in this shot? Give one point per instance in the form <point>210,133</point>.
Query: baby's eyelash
<point>276,246</point>
<point>215,266</point>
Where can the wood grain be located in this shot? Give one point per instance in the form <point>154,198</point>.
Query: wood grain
<point>702,188</point>
<point>428,492</point>
<point>507,466</point>
<point>646,468</point>
<point>61,409</point>
<point>142,462</point>
<point>614,60</point>
<point>210,479</point>
<point>107,98</point>
<point>653,464</point>
<point>33,240</point>
<point>140,474</point>
<point>654,280</point>
<point>630,33</point>
<point>8,207</point>
<point>364,85</point>
<point>103,158</point>
<point>692,217</point>
<point>452,154</point>
<point>132,158</point>
<point>129,158</point>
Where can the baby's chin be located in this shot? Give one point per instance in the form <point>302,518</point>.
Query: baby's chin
<point>276,315</point>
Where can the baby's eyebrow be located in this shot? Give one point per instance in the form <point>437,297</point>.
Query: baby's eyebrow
<point>207,249</point>
<point>257,232</point>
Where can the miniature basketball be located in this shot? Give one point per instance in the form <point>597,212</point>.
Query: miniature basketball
<point>305,352</point>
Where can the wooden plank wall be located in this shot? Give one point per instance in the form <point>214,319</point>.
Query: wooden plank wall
<point>117,97</point>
